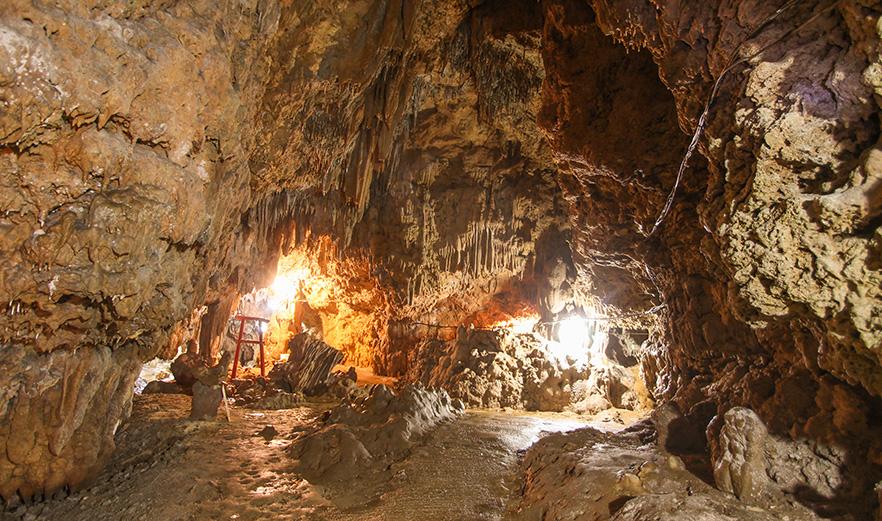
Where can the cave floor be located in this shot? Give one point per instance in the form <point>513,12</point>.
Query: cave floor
<point>167,467</point>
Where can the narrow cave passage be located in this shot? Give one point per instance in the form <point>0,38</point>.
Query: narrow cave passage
<point>434,260</point>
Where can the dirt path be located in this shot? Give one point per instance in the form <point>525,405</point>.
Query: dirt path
<point>464,471</point>
<point>168,468</point>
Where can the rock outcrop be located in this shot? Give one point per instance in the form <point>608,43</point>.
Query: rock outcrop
<point>740,465</point>
<point>308,367</point>
<point>207,390</point>
<point>567,477</point>
<point>123,165</point>
<point>500,368</point>
<point>756,466</point>
<point>357,443</point>
<point>157,157</point>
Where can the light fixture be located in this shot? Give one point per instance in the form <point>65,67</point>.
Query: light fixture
<point>572,341</point>
<point>284,288</point>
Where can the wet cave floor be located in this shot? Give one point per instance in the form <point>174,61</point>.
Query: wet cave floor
<point>170,468</point>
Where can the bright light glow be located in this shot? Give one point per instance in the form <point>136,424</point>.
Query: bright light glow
<point>519,325</point>
<point>524,324</point>
<point>263,326</point>
<point>573,331</point>
<point>284,357</point>
<point>284,288</point>
<point>572,344</point>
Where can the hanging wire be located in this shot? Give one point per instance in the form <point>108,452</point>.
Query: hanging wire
<point>731,64</point>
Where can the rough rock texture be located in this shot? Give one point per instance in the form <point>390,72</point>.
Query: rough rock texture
<point>487,368</point>
<point>309,366</point>
<point>206,400</point>
<point>161,387</point>
<point>277,401</point>
<point>206,389</point>
<point>185,369</point>
<point>122,169</point>
<point>359,441</point>
<point>260,393</point>
<point>754,465</point>
<point>156,157</point>
<point>499,368</point>
<point>766,272</point>
<point>339,300</point>
<point>87,395</point>
<point>740,464</point>
<point>592,475</point>
<point>776,165</point>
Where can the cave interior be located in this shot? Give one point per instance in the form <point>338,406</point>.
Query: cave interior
<point>441,259</point>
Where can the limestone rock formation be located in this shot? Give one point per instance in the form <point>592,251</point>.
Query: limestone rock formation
<point>207,391</point>
<point>157,157</point>
<point>122,169</point>
<point>185,369</point>
<point>160,387</point>
<point>753,464</point>
<point>206,400</point>
<point>499,368</point>
<point>486,368</point>
<point>308,367</point>
<point>358,441</point>
<point>565,477</point>
<point>740,464</point>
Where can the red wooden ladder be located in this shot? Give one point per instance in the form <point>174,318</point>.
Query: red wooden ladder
<point>239,341</point>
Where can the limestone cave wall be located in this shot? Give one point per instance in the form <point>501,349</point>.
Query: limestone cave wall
<point>159,156</point>
<point>124,173</point>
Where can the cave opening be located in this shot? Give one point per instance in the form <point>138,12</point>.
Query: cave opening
<point>433,260</point>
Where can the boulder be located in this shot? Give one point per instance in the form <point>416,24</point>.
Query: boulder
<point>185,368</point>
<point>308,366</point>
<point>206,400</point>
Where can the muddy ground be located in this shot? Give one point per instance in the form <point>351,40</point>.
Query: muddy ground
<point>167,467</point>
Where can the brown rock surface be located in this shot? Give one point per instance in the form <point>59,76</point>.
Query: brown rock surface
<point>740,466</point>
<point>308,368</point>
<point>156,158</point>
<point>122,165</point>
<point>206,400</point>
<point>352,451</point>
<point>756,466</point>
<point>593,475</point>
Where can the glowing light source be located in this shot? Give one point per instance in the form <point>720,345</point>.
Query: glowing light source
<point>599,341</point>
<point>573,332</point>
<point>572,341</point>
<point>284,288</point>
<point>518,325</point>
<point>284,357</point>
<point>524,324</point>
